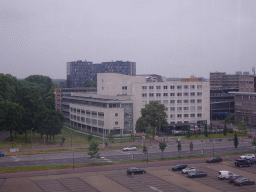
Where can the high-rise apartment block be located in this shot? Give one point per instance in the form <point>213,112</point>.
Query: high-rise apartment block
<point>78,72</point>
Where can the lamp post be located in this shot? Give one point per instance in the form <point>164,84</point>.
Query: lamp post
<point>103,137</point>
<point>44,149</point>
<point>71,139</point>
<point>31,139</point>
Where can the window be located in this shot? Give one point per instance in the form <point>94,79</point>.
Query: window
<point>159,101</point>
<point>151,87</point>
<point>192,115</point>
<point>151,94</point>
<point>192,108</point>
<point>88,113</point>
<point>199,87</point>
<point>172,108</point>
<point>179,87</point>
<point>101,115</point>
<point>165,101</point>
<point>179,101</point>
<point>192,94</point>
<point>199,100</point>
<point>94,113</point>
<point>185,86</point>
<point>158,94</point>
<point>116,114</point>
<point>199,93</point>
<point>166,108</point>
<point>179,116</point>
<point>158,87</point>
<point>165,87</point>
<point>179,94</point>
<point>172,116</point>
<point>186,108</point>
<point>124,88</point>
<point>165,94</point>
<point>186,115</point>
<point>172,87</point>
<point>94,121</point>
<point>172,101</point>
<point>199,108</point>
<point>192,101</point>
<point>88,120</point>
<point>144,103</point>
<point>102,88</point>
<point>192,86</point>
<point>116,123</point>
<point>172,94</point>
<point>101,123</point>
<point>185,94</point>
<point>144,87</point>
<point>144,94</point>
<point>199,114</point>
<point>179,108</point>
<point>82,111</point>
<point>186,101</point>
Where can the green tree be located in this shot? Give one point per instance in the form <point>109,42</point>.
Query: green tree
<point>151,131</point>
<point>179,147</point>
<point>242,127</point>
<point>162,146</point>
<point>254,143</point>
<point>132,136</point>
<point>110,136</point>
<point>205,131</point>
<point>225,130</point>
<point>153,114</point>
<point>188,133</point>
<point>227,120</point>
<point>90,84</point>
<point>89,137</point>
<point>94,150</point>
<point>191,146</point>
<point>45,82</point>
<point>144,149</point>
<point>10,116</point>
<point>236,142</point>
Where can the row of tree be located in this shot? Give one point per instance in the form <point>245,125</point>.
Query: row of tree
<point>27,104</point>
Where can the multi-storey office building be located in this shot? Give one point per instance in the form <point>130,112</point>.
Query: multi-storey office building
<point>119,100</point>
<point>78,72</point>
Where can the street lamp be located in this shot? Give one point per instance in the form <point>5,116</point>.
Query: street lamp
<point>31,139</point>
<point>44,149</point>
<point>103,138</point>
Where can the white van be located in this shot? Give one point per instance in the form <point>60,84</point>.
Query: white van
<point>224,174</point>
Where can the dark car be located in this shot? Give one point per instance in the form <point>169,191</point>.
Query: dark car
<point>235,177</point>
<point>214,159</point>
<point>1,154</point>
<point>179,167</point>
<point>242,162</point>
<point>243,181</point>
<point>197,174</point>
<point>135,170</point>
<point>253,161</point>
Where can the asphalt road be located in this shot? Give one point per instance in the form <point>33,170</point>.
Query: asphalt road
<point>119,155</point>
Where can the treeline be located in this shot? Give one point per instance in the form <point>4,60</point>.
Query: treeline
<point>29,104</point>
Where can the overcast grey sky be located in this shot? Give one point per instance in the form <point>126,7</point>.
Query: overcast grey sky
<point>173,38</point>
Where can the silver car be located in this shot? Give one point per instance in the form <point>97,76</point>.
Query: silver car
<point>129,149</point>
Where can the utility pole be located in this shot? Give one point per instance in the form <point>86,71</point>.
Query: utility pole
<point>31,139</point>
<point>44,149</point>
<point>103,137</point>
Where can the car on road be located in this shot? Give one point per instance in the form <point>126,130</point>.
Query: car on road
<point>214,160</point>
<point>242,162</point>
<point>1,154</point>
<point>129,149</point>
<point>188,169</point>
<point>179,167</point>
<point>135,170</point>
<point>243,181</point>
<point>247,156</point>
<point>198,173</point>
<point>225,174</point>
<point>253,161</point>
<point>235,177</point>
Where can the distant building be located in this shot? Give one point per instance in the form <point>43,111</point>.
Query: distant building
<point>223,80</point>
<point>152,77</point>
<point>78,72</point>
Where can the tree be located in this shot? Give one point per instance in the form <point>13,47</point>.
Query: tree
<point>179,147</point>
<point>110,136</point>
<point>236,142</point>
<point>205,131</point>
<point>225,130</point>
<point>162,146</point>
<point>151,131</point>
<point>10,116</point>
<point>94,149</point>
<point>132,136</point>
<point>188,133</point>
<point>90,84</point>
<point>191,146</point>
<point>144,149</point>
<point>254,143</point>
<point>153,114</point>
<point>242,127</point>
<point>89,137</point>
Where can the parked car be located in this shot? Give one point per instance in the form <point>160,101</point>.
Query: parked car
<point>242,162</point>
<point>253,161</point>
<point>235,177</point>
<point>225,174</point>
<point>135,170</point>
<point>1,154</point>
<point>214,159</point>
<point>243,181</point>
<point>188,169</point>
<point>247,156</point>
<point>129,149</point>
<point>179,167</point>
<point>197,174</point>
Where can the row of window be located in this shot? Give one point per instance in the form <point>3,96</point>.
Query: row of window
<point>172,87</point>
<point>87,120</point>
<point>172,109</point>
<point>245,97</point>
<point>172,116</point>
<point>186,94</point>
<point>172,102</point>
<point>248,104</point>
<point>87,112</point>
<point>246,111</point>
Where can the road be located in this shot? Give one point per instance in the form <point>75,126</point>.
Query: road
<point>119,155</point>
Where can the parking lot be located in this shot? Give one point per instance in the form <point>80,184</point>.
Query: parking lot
<point>157,178</point>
